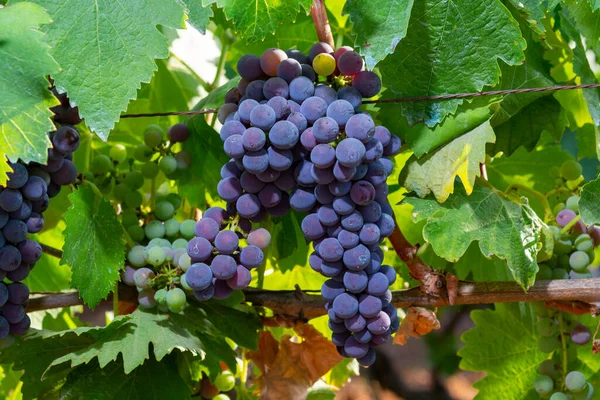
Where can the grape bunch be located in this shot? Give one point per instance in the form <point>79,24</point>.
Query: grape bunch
<point>22,202</point>
<point>223,385</point>
<point>294,124</point>
<point>210,264</point>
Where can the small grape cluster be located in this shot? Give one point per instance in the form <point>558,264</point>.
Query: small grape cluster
<point>223,385</point>
<point>294,125</point>
<point>211,264</point>
<point>22,202</point>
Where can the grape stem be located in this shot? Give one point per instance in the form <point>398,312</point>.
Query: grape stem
<point>564,346</point>
<point>571,224</point>
<point>319,16</point>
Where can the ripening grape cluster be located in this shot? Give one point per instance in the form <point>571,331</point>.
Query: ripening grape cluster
<point>298,139</point>
<point>22,202</point>
<point>223,385</point>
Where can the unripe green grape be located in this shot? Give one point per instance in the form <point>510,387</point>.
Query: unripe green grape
<point>120,192</point>
<point>134,199</point>
<point>562,246</point>
<point>570,170</point>
<point>101,164</point>
<point>187,228</point>
<point>545,273</point>
<point>550,368</point>
<point>572,203</point>
<point>137,256</point>
<point>136,233</point>
<point>164,210</point>
<point>554,172</point>
<point>560,273</point>
<point>543,385</point>
<point>118,153</point>
<point>174,199</point>
<point>559,396</point>
<point>143,277</point>
<point>168,165</point>
<point>179,243</point>
<point>106,186</point>
<point>88,175</point>
<point>152,138</point>
<point>584,242</point>
<point>129,218</point>
<point>324,64</point>
<point>547,327</point>
<point>586,394</point>
<point>154,229</point>
<point>143,153</point>
<point>160,242</point>
<point>547,344</point>
<point>579,261</point>
<point>134,179</point>
<point>176,300</point>
<point>150,170</point>
<point>171,228</point>
<point>559,207</point>
<point>161,296</point>
<point>155,128</point>
<point>575,381</point>
<point>225,381</point>
<point>221,396</point>
<point>184,283</point>
<point>155,256</point>
<point>184,262</point>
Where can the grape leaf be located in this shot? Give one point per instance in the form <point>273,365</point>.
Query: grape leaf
<point>240,324</point>
<point>24,62</point>
<point>508,230</point>
<point>254,20</point>
<point>586,20</point>
<point>532,12</point>
<point>473,265</point>
<point>198,15</point>
<point>94,246</point>
<point>438,57</point>
<point>379,26</point>
<point>106,48</point>
<point>589,203</point>
<point>437,171</point>
<point>503,341</point>
<point>152,381</point>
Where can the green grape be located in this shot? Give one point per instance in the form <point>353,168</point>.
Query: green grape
<point>150,170</point>
<point>155,128</point>
<point>143,153</point>
<point>161,296</point>
<point>154,229</point>
<point>580,275</point>
<point>179,243</point>
<point>547,327</point>
<point>579,261</point>
<point>88,175</point>
<point>137,256</point>
<point>152,138</point>
<point>221,396</point>
<point>171,228</point>
<point>134,199</point>
<point>562,246</point>
<point>129,218</point>
<point>554,172</point>
<point>120,191</point>
<point>184,283</point>
<point>184,262</point>
<point>187,228</point>
<point>134,179</point>
<point>559,207</point>
<point>101,164</point>
<point>543,385</point>
<point>107,186</point>
<point>560,273</point>
<point>586,394</point>
<point>547,344</point>
<point>553,261</point>
<point>159,242</point>
<point>176,300</point>
<point>559,396</point>
<point>550,368</point>
<point>324,64</point>
<point>225,381</point>
<point>584,242</point>
<point>164,210</point>
<point>572,203</point>
<point>136,233</point>
<point>570,170</point>
<point>545,273</point>
<point>155,256</point>
<point>174,199</point>
<point>118,153</point>
<point>168,165</point>
<point>575,381</point>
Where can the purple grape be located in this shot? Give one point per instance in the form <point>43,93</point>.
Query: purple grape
<point>251,256</point>
<point>179,132</point>
<point>318,48</point>
<point>327,215</point>
<point>199,249</point>
<point>343,174</point>
<point>350,152</point>
<point>340,188</point>
<point>339,339</point>
<point>223,266</point>
<point>348,239</point>
<point>322,176</point>
<point>362,193</point>
<point>279,160</point>
<point>355,349</point>
<point>207,228</point>
<point>262,116</point>
<point>331,289</point>
<point>244,111</point>
<point>21,327</point>
<point>303,173</point>
<point>10,258</point>
<point>380,324</point>
<point>256,162</point>
<point>284,135</point>
<point>15,231</point>
<point>326,93</point>
<point>344,206</point>
<point>269,196</point>
<point>358,258</point>
<point>383,135</point>
<point>13,313</point>
<point>3,294</point>
<point>248,205</point>
<point>564,217</point>
<point>386,225</point>
<point>334,230</point>
<point>376,174</point>
<point>18,177</point>
<point>299,120</point>
<point>248,67</point>
<point>241,279</point>
<point>368,359</point>
<point>340,111</point>
<point>286,181</point>
<point>331,250</point>
<point>369,234</point>
<point>31,251</point>
<point>352,221</point>
<point>336,327</point>
<point>229,189</point>
<point>253,139</point>
<point>65,175</point>
<point>580,334</point>
<point>331,269</point>
<point>281,107</point>
<point>230,170</point>
<point>204,294</point>
<point>18,274</point>
<point>350,63</point>
<point>254,90</point>
<point>345,305</point>
<point>374,150</point>
<point>226,242</point>
<point>371,212</point>
<point>269,175</point>
<point>356,281</point>
<point>302,199</point>
<point>369,306</point>
<point>356,323</point>
<point>3,218</point>
<point>367,83</point>
<point>315,262</point>
<point>325,130</point>
<point>289,69</point>
<point>275,87</point>
<point>297,55</point>
<point>301,88</point>
<point>393,147</point>
<point>375,264</point>
<point>4,328</point>
<point>66,139</point>
<point>233,146</point>
<point>260,238</point>
<point>10,200</point>
<point>351,95</point>
<point>308,140</point>
<point>217,214</point>
<point>378,284</point>
<point>386,298</point>
<point>363,336</point>
<point>18,293</point>
<point>322,155</point>
<point>233,96</point>
<point>222,289</point>
<point>360,127</point>
<point>314,108</point>
<point>312,227</point>
<point>250,183</point>
<point>389,272</point>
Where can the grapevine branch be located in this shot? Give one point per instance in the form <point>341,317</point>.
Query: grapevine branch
<point>440,97</point>
<point>299,304</point>
<point>319,15</point>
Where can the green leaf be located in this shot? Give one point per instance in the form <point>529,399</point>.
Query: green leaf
<point>587,145</point>
<point>106,48</point>
<point>532,12</point>
<point>586,20</point>
<point>544,114</point>
<point>216,98</point>
<point>437,171</point>
<point>94,246</point>
<point>508,230</point>
<point>152,381</point>
<point>255,20</point>
<point>24,62</point>
<point>589,203</point>
<point>240,324</point>
<point>198,15</point>
<point>473,265</point>
<point>529,169</point>
<point>379,26</point>
<point>504,343</point>
<point>450,47</point>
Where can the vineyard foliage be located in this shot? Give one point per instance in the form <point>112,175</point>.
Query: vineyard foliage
<point>116,58</point>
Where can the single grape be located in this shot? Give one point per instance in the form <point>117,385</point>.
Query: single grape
<point>248,205</point>
<point>146,299</point>
<point>350,63</point>
<point>580,334</point>
<point>168,165</point>
<point>260,238</point>
<point>326,93</point>
<point>137,256</point>
<point>279,160</point>
<point>164,210</point>
<point>284,135</point>
<point>351,95</point>
<point>575,381</point>
<point>275,87</point>
<point>547,327</point>
<point>301,88</point>
<point>155,256</point>
<point>31,251</point>
<point>226,111</point>
<point>558,396</point>
<point>178,133</point>
<point>572,203</point>
<point>355,349</point>
<point>570,170</point>
<point>350,152</point>
<point>362,193</point>
<point>176,300</point>
<point>199,276</point>
<point>579,261</point>
<point>142,153</point>
<point>199,249</point>
<point>154,229</point>
<point>251,256</point>
<point>225,381</point>
<point>15,231</point>
<point>352,221</point>
<point>226,242</point>
<point>229,189</point>
<point>345,305</point>
<point>187,228</point>
<point>269,196</point>
<point>248,67</point>
<point>289,69</point>
<point>143,277</point>
<point>34,189</point>
<point>324,64</point>
<point>270,60</point>
<point>318,48</point>
<point>367,83</point>
<point>379,324</point>
<point>18,177</point>
<point>313,108</point>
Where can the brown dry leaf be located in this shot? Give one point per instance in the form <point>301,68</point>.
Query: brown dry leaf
<point>596,346</point>
<point>290,368</point>
<point>418,322</point>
